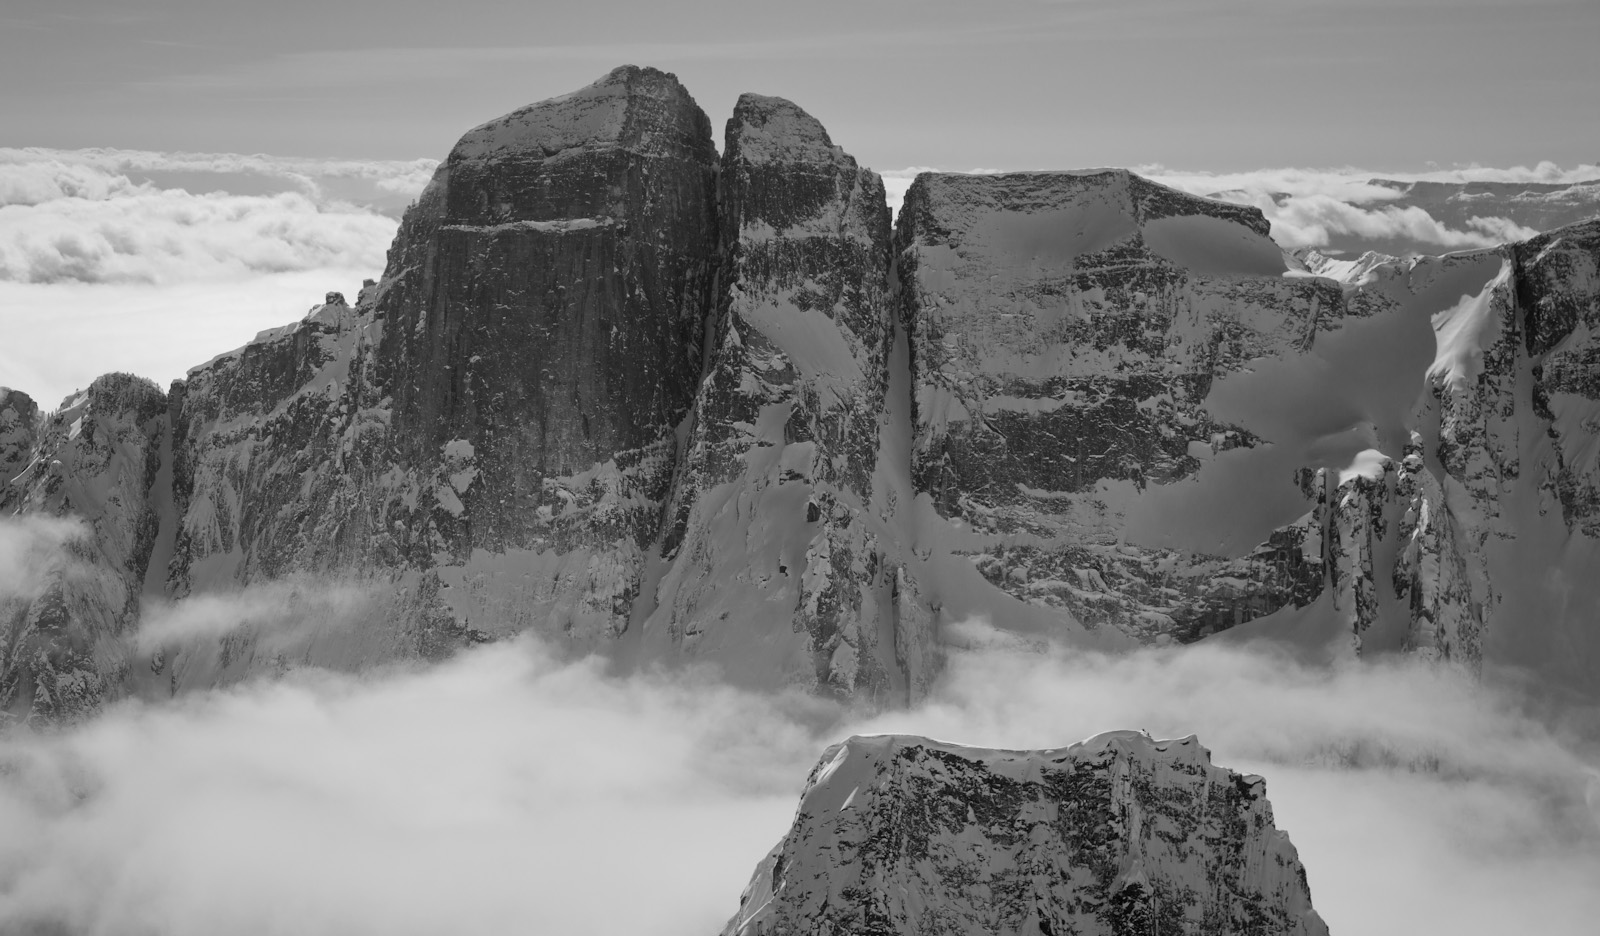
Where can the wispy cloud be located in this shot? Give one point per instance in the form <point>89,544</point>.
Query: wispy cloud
<point>276,613</point>
<point>155,262</point>
<point>34,550</point>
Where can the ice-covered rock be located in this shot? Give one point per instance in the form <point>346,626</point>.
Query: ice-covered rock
<point>1118,835</point>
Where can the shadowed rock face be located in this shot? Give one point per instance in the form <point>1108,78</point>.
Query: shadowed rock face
<point>1120,835</point>
<point>511,387</point>
<point>547,304</point>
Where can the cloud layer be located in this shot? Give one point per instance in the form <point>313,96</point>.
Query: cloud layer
<point>155,262</point>
<point>511,791</point>
<point>110,216</point>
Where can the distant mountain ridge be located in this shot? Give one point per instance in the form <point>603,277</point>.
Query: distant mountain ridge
<point>664,404</point>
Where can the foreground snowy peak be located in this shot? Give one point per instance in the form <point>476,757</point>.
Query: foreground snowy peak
<point>1120,835</point>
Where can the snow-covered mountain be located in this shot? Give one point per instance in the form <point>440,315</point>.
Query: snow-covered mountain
<point>665,405</point>
<point>1121,834</point>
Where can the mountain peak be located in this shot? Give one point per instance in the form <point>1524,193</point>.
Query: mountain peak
<point>605,113</point>
<point>767,129</point>
<point>1121,833</point>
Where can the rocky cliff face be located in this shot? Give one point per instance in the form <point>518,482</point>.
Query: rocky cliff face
<point>494,422</point>
<point>663,405</point>
<point>1068,329</point>
<point>96,459</point>
<point>1119,835</point>
<point>772,515</point>
<point>19,431</point>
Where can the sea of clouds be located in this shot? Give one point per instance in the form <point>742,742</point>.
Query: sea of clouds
<point>512,790</point>
<point>154,263</point>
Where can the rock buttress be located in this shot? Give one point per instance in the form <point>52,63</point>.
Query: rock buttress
<point>493,424</point>
<point>770,533</point>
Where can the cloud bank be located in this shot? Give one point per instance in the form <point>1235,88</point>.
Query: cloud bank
<point>155,262</point>
<point>1451,209</point>
<point>113,216</point>
<point>510,791</point>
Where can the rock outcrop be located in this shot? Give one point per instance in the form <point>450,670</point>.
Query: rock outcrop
<point>772,514</point>
<point>97,459</point>
<point>1119,835</point>
<point>19,432</point>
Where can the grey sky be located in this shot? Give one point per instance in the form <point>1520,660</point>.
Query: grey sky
<point>1216,84</point>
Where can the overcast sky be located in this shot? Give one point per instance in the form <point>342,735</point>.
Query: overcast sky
<point>1212,84</point>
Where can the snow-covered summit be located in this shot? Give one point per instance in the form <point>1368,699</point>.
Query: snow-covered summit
<point>1119,834</point>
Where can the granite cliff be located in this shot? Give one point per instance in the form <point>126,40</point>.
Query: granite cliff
<point>664,404</point>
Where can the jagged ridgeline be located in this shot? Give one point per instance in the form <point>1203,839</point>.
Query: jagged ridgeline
<point>652,401</point>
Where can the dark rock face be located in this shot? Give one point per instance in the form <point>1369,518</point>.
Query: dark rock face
<point>512,385</point>
<point>551,312</point>
<point>95,460</point>
<point>1558,291</point>
<point>1117,836</point>
<point>771,511</point>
